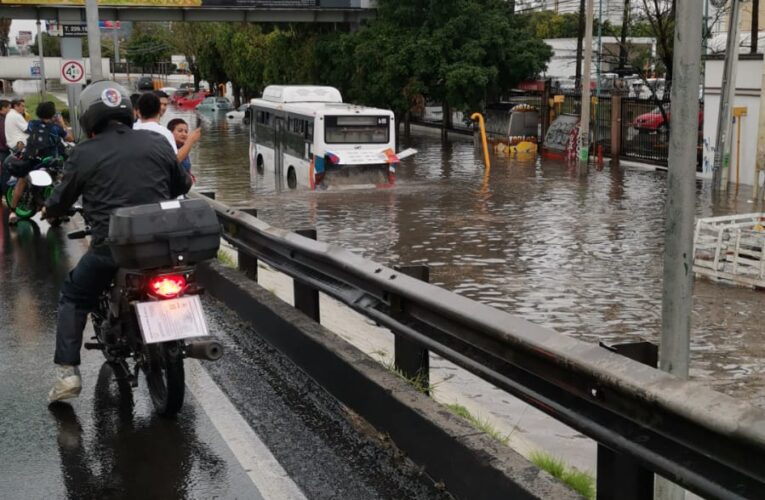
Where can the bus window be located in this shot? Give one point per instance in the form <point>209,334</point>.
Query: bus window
<point>356,130</point>
<point>309,131</point>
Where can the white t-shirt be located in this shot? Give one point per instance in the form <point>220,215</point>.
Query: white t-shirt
<point>156,127</point>
<point>15,128</point>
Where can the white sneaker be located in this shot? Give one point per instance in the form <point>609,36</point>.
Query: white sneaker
<point>13,218</point>
<point>68,383</point>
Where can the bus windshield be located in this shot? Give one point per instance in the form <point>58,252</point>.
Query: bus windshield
<point>356,130</point>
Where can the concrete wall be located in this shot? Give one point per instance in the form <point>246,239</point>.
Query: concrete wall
<point>748,94</point>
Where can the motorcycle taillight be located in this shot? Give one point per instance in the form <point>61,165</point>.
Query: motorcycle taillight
<point>167,286</point>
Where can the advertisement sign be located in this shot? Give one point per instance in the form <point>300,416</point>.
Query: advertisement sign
<point>34,69</point>
<point>272,4</point>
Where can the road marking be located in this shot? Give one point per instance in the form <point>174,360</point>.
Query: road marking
<point>256,459</point>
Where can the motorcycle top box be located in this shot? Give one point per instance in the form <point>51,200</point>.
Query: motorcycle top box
<point>169,233</point>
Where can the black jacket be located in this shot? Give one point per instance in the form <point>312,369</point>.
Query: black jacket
<point>119,167</point>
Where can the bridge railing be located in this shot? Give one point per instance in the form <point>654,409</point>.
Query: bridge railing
<point>705,441</point>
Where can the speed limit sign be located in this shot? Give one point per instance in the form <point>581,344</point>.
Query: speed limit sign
<point>72,71</point>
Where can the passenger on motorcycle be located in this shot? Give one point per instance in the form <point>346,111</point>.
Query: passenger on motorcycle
<point>116,167</point>
<point>44,136</point>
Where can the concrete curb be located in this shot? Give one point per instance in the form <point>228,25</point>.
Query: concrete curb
<point>468,462</point>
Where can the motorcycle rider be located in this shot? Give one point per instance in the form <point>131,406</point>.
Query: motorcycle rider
<point>116,167</point>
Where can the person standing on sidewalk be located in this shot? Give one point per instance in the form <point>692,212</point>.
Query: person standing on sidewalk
<point>16,126</point>
<point>5,106</point>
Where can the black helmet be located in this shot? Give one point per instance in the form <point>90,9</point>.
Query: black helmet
<point>102,101</point>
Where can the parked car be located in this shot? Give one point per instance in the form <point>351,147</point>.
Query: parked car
<point>144,83</point>
<point>238,114</point>
<point>215,104</point>
<point>654,120</point>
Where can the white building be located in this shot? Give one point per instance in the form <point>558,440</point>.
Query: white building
<point>562,65</point>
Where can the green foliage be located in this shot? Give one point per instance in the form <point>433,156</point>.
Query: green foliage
<point>462,52</point>
<point>148,45</point>
<point>581,482</point>
<point>477,422</point>
<point>51,46</point>
<point>548,24</point>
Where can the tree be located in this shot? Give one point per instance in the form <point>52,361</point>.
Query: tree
<point>51,46</point>
<point>5,30</point>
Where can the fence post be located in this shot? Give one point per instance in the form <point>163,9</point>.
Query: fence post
<point>620,477</point>
<point>307,297</point>
<point>616,126</point>
<point>411,358</point>
<point>248,264</point>
<point>546,94</point>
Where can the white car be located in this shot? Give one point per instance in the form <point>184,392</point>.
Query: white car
<point>237,114</point>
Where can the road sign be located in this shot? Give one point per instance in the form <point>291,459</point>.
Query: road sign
<point>72,72</point>
<point>34,69</point>
<point>75,29</point>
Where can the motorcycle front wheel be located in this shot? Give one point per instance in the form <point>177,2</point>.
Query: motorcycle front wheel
<point>163,368</point>
<point>26,208</point>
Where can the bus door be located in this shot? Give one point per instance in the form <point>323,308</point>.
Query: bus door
<point>279,150</point>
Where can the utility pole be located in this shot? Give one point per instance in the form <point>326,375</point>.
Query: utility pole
<point>580,36</point>
<point>584,130</point>
<point>94,40</point>
<point>677,290</point>
<point>41,52</point>
<point>727,94</point>
<point>755,25</point>
<point>623,39</point>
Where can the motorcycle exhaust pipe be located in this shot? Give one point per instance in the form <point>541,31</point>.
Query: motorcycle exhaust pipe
<point>211,350</point>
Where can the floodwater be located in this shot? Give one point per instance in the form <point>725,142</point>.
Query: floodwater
<point>580,255</point>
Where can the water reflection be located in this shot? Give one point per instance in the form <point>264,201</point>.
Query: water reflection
<point>127,456</point>
<point>582,255</point>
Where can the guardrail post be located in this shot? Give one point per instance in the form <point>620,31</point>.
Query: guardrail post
<point>411,358</point>
<point>307,297</point>
<point>620,477</point>
<point>248,264</point>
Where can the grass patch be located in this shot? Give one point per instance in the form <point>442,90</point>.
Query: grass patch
<point>481,424</point>
<point>32,100</point>
<point>581,482</point>
<point>419,382</point>
<point>225,259</point>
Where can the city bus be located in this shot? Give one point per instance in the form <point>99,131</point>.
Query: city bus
<point>307,136</point>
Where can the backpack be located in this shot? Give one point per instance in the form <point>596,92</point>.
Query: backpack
<point>41,142</point>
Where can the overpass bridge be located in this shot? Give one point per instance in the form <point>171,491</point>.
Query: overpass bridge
<point>295,411</point>
<point>254,11</point>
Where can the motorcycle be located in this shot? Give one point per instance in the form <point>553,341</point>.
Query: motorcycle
<point>40,183</point>
<point>152,309</point>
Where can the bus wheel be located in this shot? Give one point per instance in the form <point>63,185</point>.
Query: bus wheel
<point>291,178</point>
<point>259,164</point>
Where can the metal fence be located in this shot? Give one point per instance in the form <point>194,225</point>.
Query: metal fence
<point>705,441</point>
<point>644,134</point>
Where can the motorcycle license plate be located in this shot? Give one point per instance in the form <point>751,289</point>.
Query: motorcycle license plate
<point>172,319</point>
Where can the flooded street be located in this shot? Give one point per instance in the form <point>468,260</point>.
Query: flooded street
<point>580,255</point>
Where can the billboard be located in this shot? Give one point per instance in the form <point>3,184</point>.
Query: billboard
<point>290,4</point>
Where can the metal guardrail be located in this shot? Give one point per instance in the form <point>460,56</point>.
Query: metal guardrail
<point>705,441</point>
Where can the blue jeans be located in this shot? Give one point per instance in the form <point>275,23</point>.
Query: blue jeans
<point>79,296</point>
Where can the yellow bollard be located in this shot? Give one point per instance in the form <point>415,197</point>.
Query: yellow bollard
<point>482,127</point>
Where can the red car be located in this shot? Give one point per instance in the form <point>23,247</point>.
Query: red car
<point>654,121</point>
<point>191,100</point>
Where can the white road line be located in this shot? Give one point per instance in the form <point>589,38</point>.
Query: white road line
<point>256,459</point>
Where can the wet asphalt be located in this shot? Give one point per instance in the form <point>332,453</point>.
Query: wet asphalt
<point>108,443</point>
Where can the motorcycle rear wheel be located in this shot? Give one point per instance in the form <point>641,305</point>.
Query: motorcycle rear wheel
<point>163,368</point>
